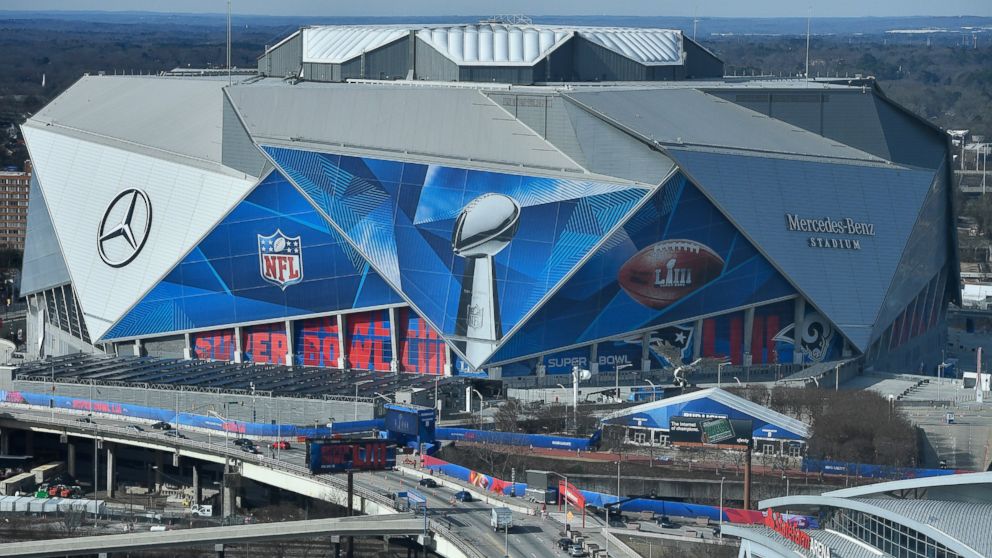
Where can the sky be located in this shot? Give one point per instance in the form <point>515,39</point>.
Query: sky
<point>701,8</point>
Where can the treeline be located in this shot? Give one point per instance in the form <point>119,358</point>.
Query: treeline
<point>856,426</point>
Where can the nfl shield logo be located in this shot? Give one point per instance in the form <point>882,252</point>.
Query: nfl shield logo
<point>280,259</point>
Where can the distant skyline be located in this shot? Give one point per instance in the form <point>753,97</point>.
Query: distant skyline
<point>689,8</point>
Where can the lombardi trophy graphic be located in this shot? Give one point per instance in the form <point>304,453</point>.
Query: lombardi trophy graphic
<point>483,228</point>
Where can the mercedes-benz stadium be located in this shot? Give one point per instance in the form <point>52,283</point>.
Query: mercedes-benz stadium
<point>493,198</point>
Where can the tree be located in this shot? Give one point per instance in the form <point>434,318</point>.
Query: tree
<point>71,519</point>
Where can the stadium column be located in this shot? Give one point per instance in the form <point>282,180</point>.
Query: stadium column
<point>394,365</point>
<point>343,357</point>
<point>237,344</point>
<point>70,458</point>
<point>697,340</point>
<point>748,334</point>
<point>646,352</point>
<point>137,347</point>
<point>289,343</point>
<point>111,466</point>
<point>541,370</point>
<point>188,349</point>
<point>448,366</point>
<point>797,330</point>
<point>594,358</point>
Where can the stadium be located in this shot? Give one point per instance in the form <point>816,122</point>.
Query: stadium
<point>500,199</point>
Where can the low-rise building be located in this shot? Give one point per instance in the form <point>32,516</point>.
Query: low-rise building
<point>14,190</point>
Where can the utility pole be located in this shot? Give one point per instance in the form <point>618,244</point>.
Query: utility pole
<point>809,17</point>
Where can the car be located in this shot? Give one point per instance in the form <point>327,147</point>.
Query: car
<point>174,434</point>
<point>242,442</point>
<point>135,428</point>
<point>428,483</point>
<point>249,448</point>
<point>280,445</point>
<point>85,419</point>
<point>463,496</point>
<point>564,543</point>
<point>162,425</point>
<point>577,551</point>
<point>665,523</point>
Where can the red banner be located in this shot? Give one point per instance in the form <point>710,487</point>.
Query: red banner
<point>572,494</point>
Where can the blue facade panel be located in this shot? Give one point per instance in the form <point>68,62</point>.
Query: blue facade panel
<point>677,258</point>
<point>870,211</point>
<point>234,275</point>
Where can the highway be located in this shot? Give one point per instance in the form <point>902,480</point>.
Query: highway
<point>468,522</point>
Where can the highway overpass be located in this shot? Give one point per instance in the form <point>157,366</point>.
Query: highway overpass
<point>383,526</point>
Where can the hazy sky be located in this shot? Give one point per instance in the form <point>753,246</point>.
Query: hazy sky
<point>703,8</point>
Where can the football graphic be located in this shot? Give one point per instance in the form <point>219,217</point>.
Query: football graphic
<point>669,270</point>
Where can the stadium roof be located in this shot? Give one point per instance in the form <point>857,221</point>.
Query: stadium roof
<point>726,398</point>
<point>960,526</point>
<point>340,43</point>
<point>841,546</point>
<point>984,478</point>
<point>494,44</point>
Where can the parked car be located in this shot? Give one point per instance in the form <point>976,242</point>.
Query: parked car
<point>162,425</point>
<point>577,551</point>
<point>463,496</point>
<point>429,483</point>
<point>242,442</point>
<point>666,523</point>
<point>280,445</point>
<point>175,434</point>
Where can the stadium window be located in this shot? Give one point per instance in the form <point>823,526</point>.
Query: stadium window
<point>768,449</point>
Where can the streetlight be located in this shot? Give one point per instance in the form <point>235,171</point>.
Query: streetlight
<point>940,377</point>
<point>654,390</point>
<point>719,373</point>
<point>618,368</point>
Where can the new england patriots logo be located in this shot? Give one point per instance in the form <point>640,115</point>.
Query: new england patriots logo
<point>280,259</point>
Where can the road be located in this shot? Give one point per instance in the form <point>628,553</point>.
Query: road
<point>532,537</point>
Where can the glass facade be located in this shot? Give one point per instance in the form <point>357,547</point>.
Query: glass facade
<point>888,536</point>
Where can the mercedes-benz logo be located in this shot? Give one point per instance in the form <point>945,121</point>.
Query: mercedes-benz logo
<point>124,228</point>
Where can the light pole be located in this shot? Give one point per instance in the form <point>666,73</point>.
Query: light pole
<point>654,390</point>
<point>565,389</point>
<point>618,368</point>
<point>577,375</point>
<point>719,373</point>
<point>475,391</point>
<point>721,505</point>
<point>940,377</point>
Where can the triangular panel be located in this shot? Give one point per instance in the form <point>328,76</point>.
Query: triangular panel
<point>273,257</point>
<point>472,251</point>
<point>675,259</point>
<point>44,266</point>
<point>842,261</point>
<point>89,187</point>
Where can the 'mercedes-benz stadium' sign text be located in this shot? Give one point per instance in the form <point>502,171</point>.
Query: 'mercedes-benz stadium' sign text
<point>826,225</point>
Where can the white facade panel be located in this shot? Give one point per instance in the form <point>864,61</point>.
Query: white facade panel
<point>651,47</point>
<point>492,44</point>
<point>81,179</point>
<point>337,44</point>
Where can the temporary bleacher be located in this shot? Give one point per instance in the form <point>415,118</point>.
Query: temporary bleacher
<point>276,379</point>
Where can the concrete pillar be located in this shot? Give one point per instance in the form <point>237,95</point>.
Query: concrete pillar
<point>748,335</point>
<point>111,468</point>
<point>646,352</point>
<point>449,361</point>
<point>71,459</point>
<point>237,344</point>
<point>197,493</point>
<point>5,442</point>
<point>188,349</point>
<point>697,340</point>
<point>289,343</point>
<point>797,330</point>
<point>594,358</point>
<point>219,550</point>
<point>343,357</point>
<point>137,347</point>
<point>158,471</point>
<point>394,340</point>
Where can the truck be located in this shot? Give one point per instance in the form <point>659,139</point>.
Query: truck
<point>501,519</point>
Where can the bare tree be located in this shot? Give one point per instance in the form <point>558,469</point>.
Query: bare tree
<point>71,519</point>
